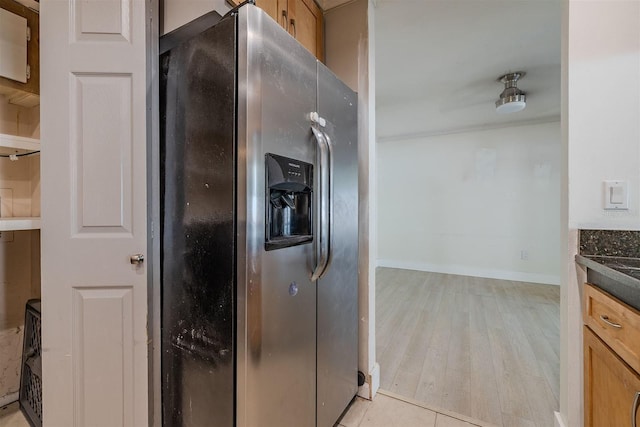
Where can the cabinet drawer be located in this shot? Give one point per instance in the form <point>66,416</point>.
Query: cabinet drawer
<point>617,324</point>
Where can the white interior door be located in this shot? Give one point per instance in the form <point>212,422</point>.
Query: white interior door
<point>94,300</point>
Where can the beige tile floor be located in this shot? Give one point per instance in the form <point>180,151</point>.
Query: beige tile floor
<point>386,410</point>
<point>390,410</point>
<point>10,416</point>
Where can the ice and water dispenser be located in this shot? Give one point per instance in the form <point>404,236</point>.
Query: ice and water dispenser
<point>289,214</point>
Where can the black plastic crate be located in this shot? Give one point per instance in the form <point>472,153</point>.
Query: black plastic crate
<point>31,375</point>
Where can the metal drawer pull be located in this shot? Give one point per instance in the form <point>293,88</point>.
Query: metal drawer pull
<point>293,26</point>
<point>634,409</point>
<point>606,320</point>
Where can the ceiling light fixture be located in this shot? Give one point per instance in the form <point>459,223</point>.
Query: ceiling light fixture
<point>511,99</point>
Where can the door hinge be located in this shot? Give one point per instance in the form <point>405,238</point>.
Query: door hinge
<point>28,33</point>
<point>28,71</point>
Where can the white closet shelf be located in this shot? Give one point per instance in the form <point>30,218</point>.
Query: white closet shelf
<point>19,223</point>
<point>11,144</point>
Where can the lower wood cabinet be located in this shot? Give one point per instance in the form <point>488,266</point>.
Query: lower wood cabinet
<point>612,388</point>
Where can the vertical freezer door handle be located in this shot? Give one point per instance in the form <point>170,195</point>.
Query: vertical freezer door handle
<point>329,202</point>
<point>324,208</point>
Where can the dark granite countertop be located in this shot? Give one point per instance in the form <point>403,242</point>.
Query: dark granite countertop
<point>613,243</point>
<point>619,276</point>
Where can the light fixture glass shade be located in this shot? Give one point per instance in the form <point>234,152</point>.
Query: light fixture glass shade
<point>511,99</point>
<point>511,104</point>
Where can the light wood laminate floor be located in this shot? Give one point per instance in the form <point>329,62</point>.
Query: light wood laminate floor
<point>485,348</point>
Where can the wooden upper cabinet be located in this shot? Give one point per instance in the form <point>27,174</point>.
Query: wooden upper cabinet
<point>305,24</point>
<point>301,18</point>
<point>271,7</point>
<point>19,92</point>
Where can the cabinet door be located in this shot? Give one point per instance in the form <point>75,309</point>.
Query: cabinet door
<point>305,24</point>
<point>7,86</point>
<point>271,7</point>
<point>610,386</point>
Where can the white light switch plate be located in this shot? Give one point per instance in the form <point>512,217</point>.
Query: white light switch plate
<point>616,195</point>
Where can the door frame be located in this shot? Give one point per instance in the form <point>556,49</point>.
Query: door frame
<point>153,15</point>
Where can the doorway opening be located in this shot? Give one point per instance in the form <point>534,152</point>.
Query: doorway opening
<point>469,221</point>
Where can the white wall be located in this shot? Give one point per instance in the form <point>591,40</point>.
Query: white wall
<point>601,97</point>
<point>469,203</point>
<point>350,54</point>
<point>604,110</point>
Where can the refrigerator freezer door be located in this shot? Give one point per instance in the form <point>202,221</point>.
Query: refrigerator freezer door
<point>197,183</point>
<point>276,374</point>
<point>337,329</point>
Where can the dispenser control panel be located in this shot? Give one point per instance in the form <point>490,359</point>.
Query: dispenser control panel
<point>289,200</point>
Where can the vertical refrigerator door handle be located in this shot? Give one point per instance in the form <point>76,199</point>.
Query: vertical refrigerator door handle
<point>329,202</point>
<point>324,209</point>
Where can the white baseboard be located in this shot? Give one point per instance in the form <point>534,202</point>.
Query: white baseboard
<point>370,387</point>
<point>364,391</point>
<point>375,379</point>
<point>9,398</point>
<point>559,422</point>
<point>518,276</point>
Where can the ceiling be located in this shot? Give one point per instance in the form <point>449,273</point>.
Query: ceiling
<point>437,62</point>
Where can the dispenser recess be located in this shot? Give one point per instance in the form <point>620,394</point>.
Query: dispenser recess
<point>288,216</point>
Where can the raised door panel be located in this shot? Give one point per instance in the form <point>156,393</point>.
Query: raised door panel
<point>101,349</point>
<point>94,301</point>
<point>102,152</point>
<point>102,20</point>
<point>610,385</point>
<point>305,24</point>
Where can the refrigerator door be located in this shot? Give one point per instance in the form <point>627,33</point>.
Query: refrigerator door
<point>337,327</point>
<point>276,371</point>
<point>197,94</point>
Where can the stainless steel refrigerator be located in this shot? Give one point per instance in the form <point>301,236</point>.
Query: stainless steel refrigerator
<point>259,207</point>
